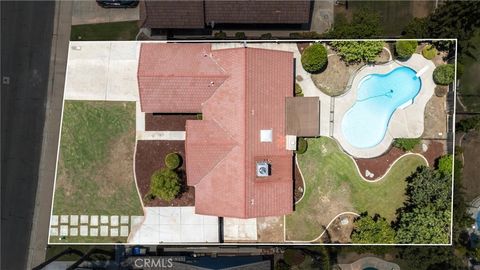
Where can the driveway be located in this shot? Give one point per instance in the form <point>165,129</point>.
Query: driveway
<point>88,12</point>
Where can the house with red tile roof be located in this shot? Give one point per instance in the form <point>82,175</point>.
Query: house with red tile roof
<point>237,157</point>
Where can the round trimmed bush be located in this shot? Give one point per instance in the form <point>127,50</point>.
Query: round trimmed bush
<point>302,145</point>
<point>172,161</point>
<point>429,52</point>
<point>444,74</point>
<point>405,48</point>
<point>165,184</point>
<point>445,164</point>
<point>298,90</point>
<point>314,58</point>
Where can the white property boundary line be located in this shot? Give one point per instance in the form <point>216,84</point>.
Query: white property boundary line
<point>193,245</point>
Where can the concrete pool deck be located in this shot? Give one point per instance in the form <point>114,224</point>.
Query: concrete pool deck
<point>405,122</point>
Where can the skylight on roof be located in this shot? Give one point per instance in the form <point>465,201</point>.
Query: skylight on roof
<point>266,135</point>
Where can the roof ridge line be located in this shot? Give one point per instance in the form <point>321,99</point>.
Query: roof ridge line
<point>245,131</point>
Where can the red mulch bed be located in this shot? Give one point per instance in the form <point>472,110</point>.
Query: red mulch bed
<point>150,157</point>
<point>298,184</point>
<point>379,165</point>
<point>167,122</point>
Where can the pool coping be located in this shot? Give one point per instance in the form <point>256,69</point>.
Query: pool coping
<point>407,122</point>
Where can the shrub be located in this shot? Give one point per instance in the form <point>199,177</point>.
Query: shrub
<point>240,35</point>
<point>406,144</point>
<point>444,74</point>
<point>314,58</point>
<point>357,51</point>
<point>220,35</point>
<point>173,161</point>
<point>199,116</point>
<point>165,184</point>
<point>471,123</point>
<point>302,145</point>
<point>266,36</point>
<point>298,90</point>
<point>405,48</point>
<point>445,164</point>
<point>293,257</point>
<point>429,52</point>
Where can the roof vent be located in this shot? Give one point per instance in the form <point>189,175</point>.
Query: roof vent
<point>263,169</point>
<point>266,135</point>
<point>212,83</point>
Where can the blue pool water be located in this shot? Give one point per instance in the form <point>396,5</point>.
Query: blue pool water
<point>378,96</point>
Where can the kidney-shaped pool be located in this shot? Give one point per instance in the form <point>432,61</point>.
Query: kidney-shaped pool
<point>378,96</point>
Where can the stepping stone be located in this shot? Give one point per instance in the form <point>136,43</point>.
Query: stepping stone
<point>84,230</point>
<point>84,219</point>
<point>135,220</point>
<point>73,220</point>
<point>93,231</point>
<point>64,219</point>
<point>93,220</point>
<point>113,220</point>
<point>54,220</point>
<point>53,231</point>
<point>63,230</point>
<point>104,219</point>
<point>124,231</point>
<point>114,232</point>
<point>103,230</point>
<point>74,231</point>
<point>124,219</point>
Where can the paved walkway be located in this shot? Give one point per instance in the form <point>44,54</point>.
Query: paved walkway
<point>93,225</point>
<point>237,229</point>
<point>161,135</point>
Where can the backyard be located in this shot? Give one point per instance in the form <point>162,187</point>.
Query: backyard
<point>94,170</point>
<point>333,186</point>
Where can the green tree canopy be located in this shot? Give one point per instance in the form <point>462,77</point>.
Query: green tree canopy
<point>314,58</point>
<point>427,187</point>
<point>406,144</point>
<point>371,230</point>
<point>357,51</point>
<point>364,24</point>
<point>405,48</point>
<point>165,184</point>
<point>445,164</point>
<point>444,74</point>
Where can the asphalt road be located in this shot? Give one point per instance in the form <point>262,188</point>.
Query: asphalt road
<point>26,34</point>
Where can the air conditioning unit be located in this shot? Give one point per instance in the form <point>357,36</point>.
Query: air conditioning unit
<point>263,169</point>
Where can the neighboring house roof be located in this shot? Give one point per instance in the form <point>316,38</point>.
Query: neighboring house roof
<point>303,116</point>
<point>222,149</point>
<point>178,14</point>
<point>196,14</point>
<point>254,11</point>
<point>171,80</point>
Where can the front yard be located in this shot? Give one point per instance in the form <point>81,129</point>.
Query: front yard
<point>333,185</point>
<point>95,165</point>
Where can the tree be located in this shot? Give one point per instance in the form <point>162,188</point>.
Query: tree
<point>405,48</point>
<point>471,123</point>
<point>372,230</point>
<point>429,52</point>
<point>445,164</point>
<point>406,144</point>
<point>165,184</point>
<point>357,51</point>
<point>417,28</point>
<point>444,74</point>
<point>427,187</point>
<point>430,258</point>
<point>314,58</point>
<point>173,161</point>
<point>364,24</point>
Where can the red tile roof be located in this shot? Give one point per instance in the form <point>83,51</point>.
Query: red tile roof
<point>254,11</point>
<point>222,149</point>
<point>171,80</point>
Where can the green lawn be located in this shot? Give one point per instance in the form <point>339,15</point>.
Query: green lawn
<point>95,166</point>
<point>333,185</point>
<point>105,31</point>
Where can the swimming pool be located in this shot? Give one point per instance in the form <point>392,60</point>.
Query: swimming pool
<point>378,96</point>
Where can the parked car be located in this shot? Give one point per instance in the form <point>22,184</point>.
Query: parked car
<point>117,3</point>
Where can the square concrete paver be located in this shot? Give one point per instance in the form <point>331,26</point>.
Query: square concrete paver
<point>73,231</point>
<point>124,219</point>
<point>64,219</point>
<point>84,219</point>
<point>135,220</point>
<point>93,220</point>
<point>73,220</point>
<point>63,230</point>
<point>124,231</point>
<point>54,231</point>
<point>84,230</point>
<point>104,219</point>
<point>113,231</point>
<point>93,231</point>
<point>113,220</point>
<point>103,230</point>
<point>54,220</point>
